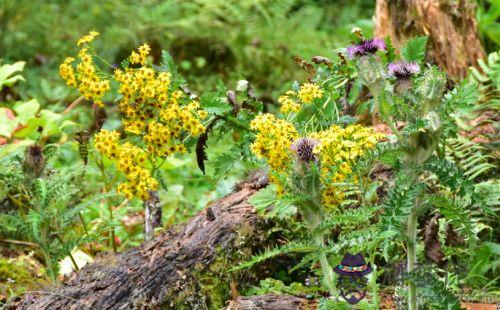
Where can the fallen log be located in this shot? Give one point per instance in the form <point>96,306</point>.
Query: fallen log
<point>272,302</point>
<point>184,268</point>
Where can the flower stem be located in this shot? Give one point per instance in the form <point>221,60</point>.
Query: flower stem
<point>112,240</point>
<point>50,266</point>
<point>412,257</point>
<point>326,268</point>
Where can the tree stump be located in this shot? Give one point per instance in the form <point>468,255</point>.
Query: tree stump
<point>184,268</point>
<point>454,43</point>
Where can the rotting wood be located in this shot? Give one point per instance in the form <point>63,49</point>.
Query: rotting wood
<point>272,302</point>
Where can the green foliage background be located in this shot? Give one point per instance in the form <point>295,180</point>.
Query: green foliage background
<point>210,41</point>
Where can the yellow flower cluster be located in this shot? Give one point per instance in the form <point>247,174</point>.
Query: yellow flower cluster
<point>90,85</point>
<point>87,38</point>
<point>67,72</point>
<point>274,138</point>
<point>151,109</point>
<point>142,56</point>
<point>288,104</point>
<point>338,151</point>
<point>130,160</point>
<point>308,92</point>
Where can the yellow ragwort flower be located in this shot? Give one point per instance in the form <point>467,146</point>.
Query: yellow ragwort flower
<point>273,141</point>
<point>87,38</point>
<point>338,151</point>
<point>67,72</point>
<point>308,92</point>
<point>288,104</point>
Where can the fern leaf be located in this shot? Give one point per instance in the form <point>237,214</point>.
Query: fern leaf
<point>292,247</point>
<point>414,49</point>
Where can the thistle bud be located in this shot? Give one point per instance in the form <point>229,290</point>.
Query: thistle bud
<point>403,71</point>
<point>432,87</point>
<point>34,162</point>
<point>306,177</point>
<point>303,149</point>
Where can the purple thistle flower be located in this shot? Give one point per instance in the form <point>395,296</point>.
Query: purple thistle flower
<point>370,46</point>
<point>303,148</point>
<point>403,69</point>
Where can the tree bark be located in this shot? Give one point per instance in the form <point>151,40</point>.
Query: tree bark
<point>184,268</point>
<point>272,302</point>
<point>454,43</point>
<point>152,215</point>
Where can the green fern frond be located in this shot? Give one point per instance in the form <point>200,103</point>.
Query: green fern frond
<point>487,80</point>
<point>456,211</point>
<point>488,75</point>
<point>434,291</point>
<point>386,152</point>
<point>292,247</point>
<point>354,240</point>
<point>350,218</point>
<point>471,157</point>
<point>449,175</point>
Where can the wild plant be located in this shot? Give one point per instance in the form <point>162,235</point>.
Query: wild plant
<point>160,118</point>
<point>44,209</point>
<point>321,164</point>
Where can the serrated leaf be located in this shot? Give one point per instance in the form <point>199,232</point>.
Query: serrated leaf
<point>167,62</point>
<point>414,49</point>
<point>263,198</point>
<point>214,104</point>
<point>223,164</point>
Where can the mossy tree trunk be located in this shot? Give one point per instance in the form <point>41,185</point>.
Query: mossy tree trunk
<point>454,43</point>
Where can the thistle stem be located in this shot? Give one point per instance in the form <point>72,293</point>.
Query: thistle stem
<point>412,257</point>
<point>50,266</point>
<point>326,268</point>
<point>314,217</point>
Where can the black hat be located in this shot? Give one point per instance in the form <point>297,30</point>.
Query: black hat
<point>353,266</point>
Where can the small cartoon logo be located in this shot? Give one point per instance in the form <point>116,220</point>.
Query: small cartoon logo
<point>352,283</point>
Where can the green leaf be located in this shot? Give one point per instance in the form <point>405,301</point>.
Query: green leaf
<point>30,130</point>
<point>414,50</point>
<point>7,125</point>
<point>263,198</point>
<point>213,103</point>
<point>26,110</point>
<point>6,72</point>
<point>50,122</point>
<point>223,164</point>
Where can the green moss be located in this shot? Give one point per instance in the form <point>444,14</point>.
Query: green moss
<point>19,274</point>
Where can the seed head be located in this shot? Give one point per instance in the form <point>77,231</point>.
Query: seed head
<point>34,162</point>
